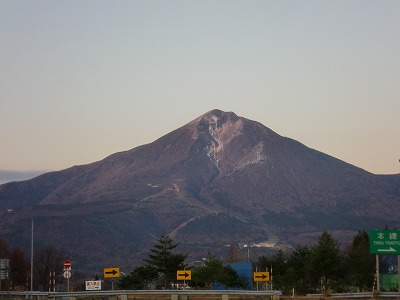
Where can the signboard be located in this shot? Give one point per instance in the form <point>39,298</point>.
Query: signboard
<point>4,269</point>
<point>384,242</point>
<point>93,285</point>
<point>4,264</point>
<point>261,276</point>
<point>4,274</point>
<point>183,275</point>
<point>67,274</point>
<point>111,273</point>
<point>67,265</point>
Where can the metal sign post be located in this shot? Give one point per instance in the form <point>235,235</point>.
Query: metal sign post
<point>67,272</point>
<point>184,275</point>
<point>112,273</point>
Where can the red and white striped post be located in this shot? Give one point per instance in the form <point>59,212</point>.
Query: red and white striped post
<point>52,281</point>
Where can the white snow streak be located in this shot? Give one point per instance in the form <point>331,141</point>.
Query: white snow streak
<point>255,156</point>
<point>221,135</point>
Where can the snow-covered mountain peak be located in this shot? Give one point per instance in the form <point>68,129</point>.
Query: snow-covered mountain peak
<point>221,128</point>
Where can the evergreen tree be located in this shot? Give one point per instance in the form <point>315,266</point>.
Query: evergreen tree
<point>139,278</point>
<point>327,264</point>
<point>230,279</point>
<point>214,270</point>
<point>298,272</point>
<point>360,264</point>
<point>264,263</point>
<point>166,263</point>
<point>277,266</point>
<point>211,271</point>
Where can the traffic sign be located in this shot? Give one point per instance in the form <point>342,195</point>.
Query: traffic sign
<point>93,285</point>
<point>261,276</point>
<point>183,275</point>
<point>111,273</point>
<point>67,264</point>
<point>384,242</point>
<point>67,274</point>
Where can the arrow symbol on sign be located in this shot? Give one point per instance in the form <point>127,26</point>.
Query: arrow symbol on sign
<point>387,250</point>
<point>113,272</point>
<point>263,276</point>
<point>184,275</point>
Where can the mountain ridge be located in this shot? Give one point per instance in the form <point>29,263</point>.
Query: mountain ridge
<point>217,180</point>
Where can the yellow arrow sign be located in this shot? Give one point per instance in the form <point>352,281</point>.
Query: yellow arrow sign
<point>261,276</point>
<point>183,275</point>
<point>111,272</point>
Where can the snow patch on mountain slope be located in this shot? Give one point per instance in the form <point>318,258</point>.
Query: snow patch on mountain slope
<point>222,131</point>
<point>221,135</point>
<point>255,156</point>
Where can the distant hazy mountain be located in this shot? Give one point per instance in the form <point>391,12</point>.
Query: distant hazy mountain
<point>218,180</point>
<point>8,176</point>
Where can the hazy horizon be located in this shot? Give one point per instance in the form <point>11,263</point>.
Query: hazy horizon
<point>10,175</point>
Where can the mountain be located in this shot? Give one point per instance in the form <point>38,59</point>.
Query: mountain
<point>7,176</point>
<point>218,180</point>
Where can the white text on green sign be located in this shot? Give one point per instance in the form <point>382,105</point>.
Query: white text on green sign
<point>384,241</point>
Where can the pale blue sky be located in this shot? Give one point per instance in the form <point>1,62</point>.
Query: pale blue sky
<point>80,80</point>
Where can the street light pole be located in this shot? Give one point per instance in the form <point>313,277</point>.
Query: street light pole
<point>32,256</point>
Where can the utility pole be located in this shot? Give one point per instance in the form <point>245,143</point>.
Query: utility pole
<point>32,258</point>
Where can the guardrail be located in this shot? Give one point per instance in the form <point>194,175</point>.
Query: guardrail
<point>187,294</point>
<point>171,292</point>
<point>366,295</point>
<point>389,295</point>
<point>343,295</point>
<point>147,294</point>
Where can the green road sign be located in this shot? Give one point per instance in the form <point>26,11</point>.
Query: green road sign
<point>384,242</point>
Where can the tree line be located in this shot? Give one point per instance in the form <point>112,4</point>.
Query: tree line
<point>320,268</point>
<point>323,267</point>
